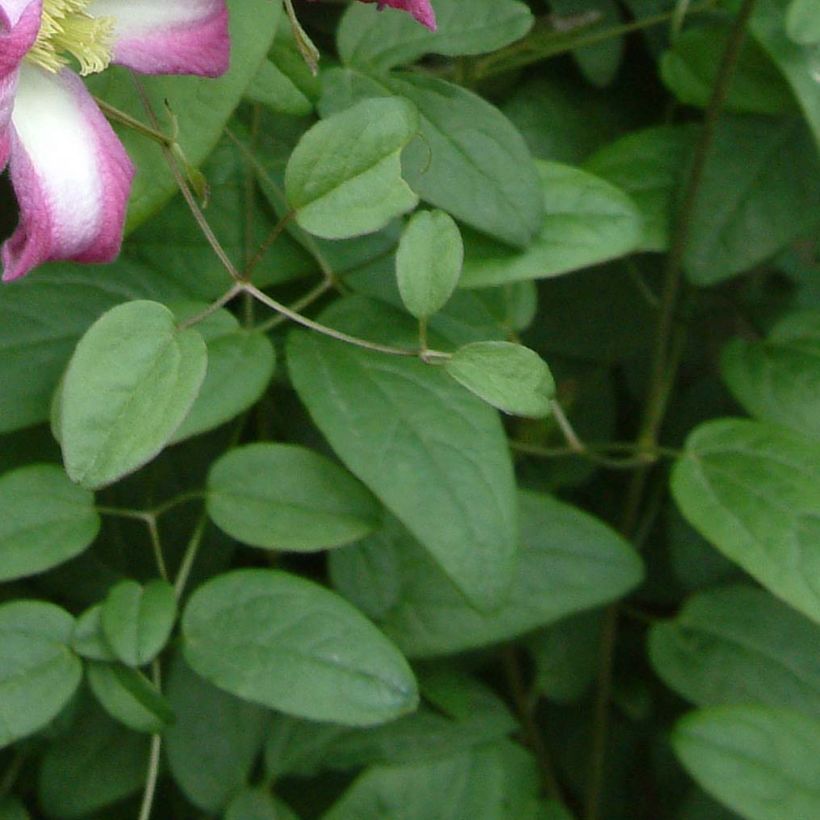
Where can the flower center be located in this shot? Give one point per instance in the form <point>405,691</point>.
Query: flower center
<point>67,30</point>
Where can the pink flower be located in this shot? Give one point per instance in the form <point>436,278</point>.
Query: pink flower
<point>420,9</point>
<point>71,174</point>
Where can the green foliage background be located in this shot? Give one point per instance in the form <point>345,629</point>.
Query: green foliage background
<point>469,468</point>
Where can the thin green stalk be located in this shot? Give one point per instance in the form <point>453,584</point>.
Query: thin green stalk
<point>156,544</point>
<point>337,334</point>
<point>542,44</point>
<point>153,758</point>
<point>665,359</point>
<point>188,559</point>
<point>185,190</point>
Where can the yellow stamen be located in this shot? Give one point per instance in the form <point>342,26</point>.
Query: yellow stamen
<point>67,30</point>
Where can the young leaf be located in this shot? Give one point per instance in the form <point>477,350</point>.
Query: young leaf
<point>137,621</point>
<point>44,520</point>
<point>508,376</point>
<point>739,645</point>
<point>292,645</point>
<point>281,496</point>
<point>432,453</point>
<point>129,697</point>
<point>129,385</point>
<point>469,160</point>
<point>88,639</point>
<point>763,763</point>
<point>428,262</point>
<point>38,671</point>
<point>754,492</point>
<point>343,178</point>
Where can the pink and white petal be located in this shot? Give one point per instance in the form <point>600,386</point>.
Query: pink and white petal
<point>169,36</point>
<point>19,25</point>
<point>71,175</point>
<point>8,88</point>
<point>12,10</point>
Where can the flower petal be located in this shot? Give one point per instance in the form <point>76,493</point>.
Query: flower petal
<point>19,24</point>
<point>420,9</point>
<point>8,88</point>
<point>169,36</point>
<point>69,171</point>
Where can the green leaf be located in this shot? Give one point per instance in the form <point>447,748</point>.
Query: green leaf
<point>201,106</point>
<point>129,697</point>
<point>281,496</point>
<point>565,655</point>
<point>599,62</point>
<point>803,22</point>
<point>797,61</point>
<point>493,782</point>
<point>569,562</point>
<point>381,41</point>
<point>137,620</point>
<point>778,380</point>
<point>433,454</point>
<point>344,176</point>
<point>760,171</point>
<point>41,319</point>
<point>739,645</point>
<point>88,639</point>
<point>273,87</point>
<point>754,492</point>
<point>256,804</point>
<point>428,262</point>
<point>172,244</point>
<point>38,671</point>
<point>214,741</point>
<point>690,68</point>
<point>587,221</point>
<point>240,366</point>
<point>44,520</point>
<point>761,762</point>
<point>508,376</point>
<point>128,386</point>
<point>469,160</point>
<point>290,644</point>
<point>12,809</point>
<point>97,764</point>
<point>648,166</point>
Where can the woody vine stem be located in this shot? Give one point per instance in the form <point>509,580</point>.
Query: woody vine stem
<point>665,360</point>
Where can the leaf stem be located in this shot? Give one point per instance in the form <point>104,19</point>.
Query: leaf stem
<point>156,544</point>
<point>546,41</point>
<point>665,359</point>
<point>132,122</point>
<point>185,189</point>
<point>153,758</point>
<point>329,331</point>
<point>191,552</point>
<point>223,300</point>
